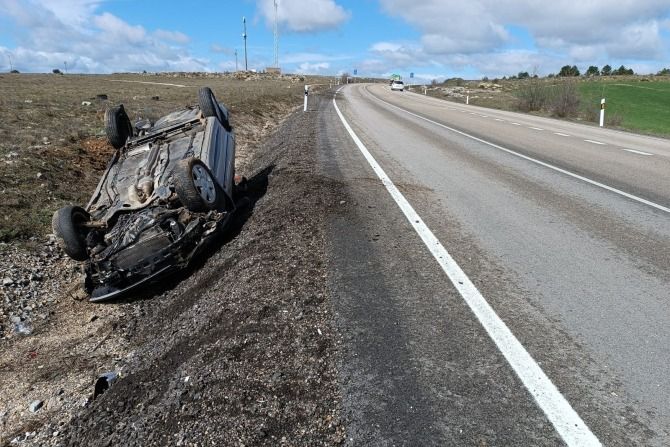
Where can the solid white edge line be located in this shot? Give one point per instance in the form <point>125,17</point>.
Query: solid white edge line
<point>531,159</point>
<point>637,152</point>
<point>564,418</point>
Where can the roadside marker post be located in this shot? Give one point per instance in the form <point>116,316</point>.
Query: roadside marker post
<point>467,100</point>
<point>306,93</point>
<point>602,112</point>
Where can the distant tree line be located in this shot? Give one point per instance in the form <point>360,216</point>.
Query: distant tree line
<point>568,71</point>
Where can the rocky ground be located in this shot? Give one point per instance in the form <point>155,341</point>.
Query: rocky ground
<point>239,350</point>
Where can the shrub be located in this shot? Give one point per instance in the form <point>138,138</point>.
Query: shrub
<point>56,71</point>
<point>565,101</point>
<point>523,75</point>
<point>664,72</point>
<point>533,95</point>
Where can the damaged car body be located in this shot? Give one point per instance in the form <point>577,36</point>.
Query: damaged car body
<point>168,190</point>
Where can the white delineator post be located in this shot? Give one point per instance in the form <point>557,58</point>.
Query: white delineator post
<point>425,90</point>
<point>306,91</point>
<point>467,99</point>
<point>602,112</point>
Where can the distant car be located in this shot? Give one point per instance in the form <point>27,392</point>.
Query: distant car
<point>397,85</point>
<point>168,189</point>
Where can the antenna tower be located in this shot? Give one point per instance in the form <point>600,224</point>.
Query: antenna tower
<point>275,63</point>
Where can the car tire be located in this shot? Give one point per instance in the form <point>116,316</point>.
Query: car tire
<point>210,107</point>
<point>117,126</point>
<point>70,233</point>
<point>195,186</point>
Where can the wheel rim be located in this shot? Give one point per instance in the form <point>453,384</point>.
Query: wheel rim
<point>203,183</point>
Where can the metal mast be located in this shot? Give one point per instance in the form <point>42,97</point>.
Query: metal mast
<point>276,37</point>
<point>244,36</point>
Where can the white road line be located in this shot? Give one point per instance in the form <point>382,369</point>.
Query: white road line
<point>595,142</point>
<point>531,159</point>
<point>637,152</point>
<point>565,419</point>
<point>515,124</point>
<point>498,119</point>
<point>561,134</point>
<point>535,128</point>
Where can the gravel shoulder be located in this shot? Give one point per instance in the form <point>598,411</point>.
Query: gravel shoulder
<point>238,350</point>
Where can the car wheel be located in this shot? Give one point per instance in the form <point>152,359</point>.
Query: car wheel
<point>196,188</point>
<point>67,224</point>
<point>117,126</point>
<point>210,107</point>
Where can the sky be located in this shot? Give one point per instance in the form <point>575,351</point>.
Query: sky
<point>434,39</point>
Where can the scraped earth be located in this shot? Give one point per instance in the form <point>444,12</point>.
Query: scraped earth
<point>238,350</point>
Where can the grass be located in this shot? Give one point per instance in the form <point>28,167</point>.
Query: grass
<point>53,149</point>
<point>641,106</point>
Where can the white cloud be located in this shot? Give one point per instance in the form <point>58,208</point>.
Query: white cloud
<point>58,31</point>
<point>300,16</point>
<point>317,68</point>
<point>452,26</point>
<point>172,36</point>
<point>479,36</point>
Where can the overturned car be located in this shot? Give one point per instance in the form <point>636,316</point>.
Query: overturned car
<point>168,189</point>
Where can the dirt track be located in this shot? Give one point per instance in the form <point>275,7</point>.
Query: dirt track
<point>238,351</point>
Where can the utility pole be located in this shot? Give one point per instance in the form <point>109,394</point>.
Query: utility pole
<point>276,38</point>
<point>236,59</point>
<point>11,67</point>
<point>244,36</point>
<point>65,65</point>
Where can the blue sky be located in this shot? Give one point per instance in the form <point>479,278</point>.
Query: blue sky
<point>434,39</point>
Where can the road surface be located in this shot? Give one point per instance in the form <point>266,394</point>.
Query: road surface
<point>556,331</point>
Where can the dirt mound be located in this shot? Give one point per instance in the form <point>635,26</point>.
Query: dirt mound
<point>240,350</point>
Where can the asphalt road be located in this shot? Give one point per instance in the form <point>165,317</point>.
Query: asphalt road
<point>563,229</point>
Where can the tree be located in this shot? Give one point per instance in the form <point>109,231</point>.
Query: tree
<point>567,71</point>
<point>623,71</point>
<point>592,71</point>
<point>664,72</point>
<point>344,78</point>
<point>606,71</point>
<point>56,71</point>
<point>523,75</point>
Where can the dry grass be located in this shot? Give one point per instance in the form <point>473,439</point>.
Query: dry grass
<point>53,149</point>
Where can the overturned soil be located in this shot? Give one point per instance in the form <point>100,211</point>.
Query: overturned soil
<point>238,350</point>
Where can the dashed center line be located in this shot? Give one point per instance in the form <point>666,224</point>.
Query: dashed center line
<point>637,152</point>
<point>535,128</point>
<point>595,142</point>
<point>498,119</point>
<point>561,134</point>
<point>515,124</point>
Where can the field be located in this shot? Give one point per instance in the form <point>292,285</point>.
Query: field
<point>634,103</point>
<point>641,106</point>
<point>52,143</point>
